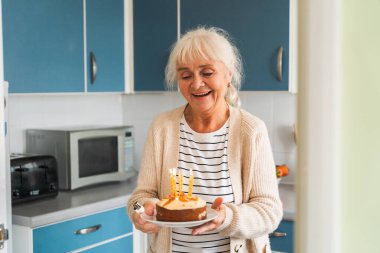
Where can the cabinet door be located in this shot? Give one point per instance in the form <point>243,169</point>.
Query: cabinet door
<point>258,27</point>
<point>155,30</point>
<point>105,39</point>
<point>78,233</point>
<point>283,243</point>
<point>43,45</point>
<point>122,245</point>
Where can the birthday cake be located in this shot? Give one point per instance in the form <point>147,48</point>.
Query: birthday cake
<point>181,208</point>
<point>178,206</point>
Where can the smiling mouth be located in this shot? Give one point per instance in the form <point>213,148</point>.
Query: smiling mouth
<point>204,94</point>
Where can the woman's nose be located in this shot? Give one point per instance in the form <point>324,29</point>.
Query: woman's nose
<point>197,82</point>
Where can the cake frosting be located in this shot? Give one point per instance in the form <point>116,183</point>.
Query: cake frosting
<point>181,208</point>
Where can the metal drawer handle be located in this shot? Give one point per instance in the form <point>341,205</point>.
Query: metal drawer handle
<point>88,230</point>
<point>277,234</point>
<point>94,67</point>
<point>279,63</point>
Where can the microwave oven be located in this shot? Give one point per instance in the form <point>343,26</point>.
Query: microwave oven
<point>86,155</point>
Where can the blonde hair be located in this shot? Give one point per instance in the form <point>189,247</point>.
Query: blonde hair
<point>211,44</point>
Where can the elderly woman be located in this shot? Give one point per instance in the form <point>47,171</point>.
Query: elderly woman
<point>227,148</point>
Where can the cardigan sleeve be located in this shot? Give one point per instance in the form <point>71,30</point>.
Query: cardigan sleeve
<point>146,189</point>
<point>161,142</point>
<point>261,211</point>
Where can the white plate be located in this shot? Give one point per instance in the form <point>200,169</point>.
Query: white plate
<point>211,214</point>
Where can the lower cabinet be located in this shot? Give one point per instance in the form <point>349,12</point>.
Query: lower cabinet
<point>108,231</point>
<point>282,238</point>
<point>122,245</point>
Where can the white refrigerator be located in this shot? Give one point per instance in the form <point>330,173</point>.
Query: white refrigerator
<point>5,187</point>
<point>5,197</point>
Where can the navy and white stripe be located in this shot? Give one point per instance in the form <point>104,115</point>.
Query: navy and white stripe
<point>206,155</point>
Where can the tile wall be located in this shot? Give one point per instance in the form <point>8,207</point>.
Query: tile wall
<point>39,111</point>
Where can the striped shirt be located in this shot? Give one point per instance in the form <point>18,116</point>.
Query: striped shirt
<point>206,155</point>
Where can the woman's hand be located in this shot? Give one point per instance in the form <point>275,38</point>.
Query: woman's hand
<point>215,223</point>
<point>142,225</point>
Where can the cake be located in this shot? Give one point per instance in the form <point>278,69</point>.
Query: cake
<point>181,208</point>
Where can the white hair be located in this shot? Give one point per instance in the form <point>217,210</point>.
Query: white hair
<point>210,44</point>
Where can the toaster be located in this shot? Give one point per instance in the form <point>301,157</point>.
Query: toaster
<point>33,177</point>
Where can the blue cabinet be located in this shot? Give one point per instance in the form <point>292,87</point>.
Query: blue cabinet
<point>283,238</point>
<point>122,245</point>
<point>105,40</point>
<point>112,229</point>
<point>43,45</point>
<point>258,27</point>
<point>155,30</point>
<point>47,45</point>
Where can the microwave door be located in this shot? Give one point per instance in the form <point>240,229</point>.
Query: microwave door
<point>98,158</point>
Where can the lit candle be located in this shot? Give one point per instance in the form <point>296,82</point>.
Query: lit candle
<point>191,181</point>
<point>172,182</point>
<point>180,183</point>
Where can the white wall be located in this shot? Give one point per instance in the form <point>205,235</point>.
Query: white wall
<point>278,110</point>
<point>38,111</point>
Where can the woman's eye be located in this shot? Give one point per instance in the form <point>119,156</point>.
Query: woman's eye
<point>185,75</point>
<point>207,74</point>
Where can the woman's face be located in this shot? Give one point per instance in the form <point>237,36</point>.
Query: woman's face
<point>204,84</point>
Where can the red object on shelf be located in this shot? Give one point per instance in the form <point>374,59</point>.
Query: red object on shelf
<point>282,170</point>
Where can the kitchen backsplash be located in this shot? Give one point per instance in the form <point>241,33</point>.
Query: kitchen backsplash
<point>277,110</point>
<point>38,111</point>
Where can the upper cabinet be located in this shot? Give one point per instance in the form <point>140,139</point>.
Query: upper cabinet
<point>43,45</point>
<point>56,46</point>
<point>260,29</point>
<point>154,32</point>
<point>105,45</point>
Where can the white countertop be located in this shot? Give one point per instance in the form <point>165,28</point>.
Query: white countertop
<point>72,204</point>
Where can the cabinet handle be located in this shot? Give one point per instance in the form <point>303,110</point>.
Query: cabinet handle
<point>277,234</point>
<point>94,67</point>
<point>279,63</point>
<point>88,230</point>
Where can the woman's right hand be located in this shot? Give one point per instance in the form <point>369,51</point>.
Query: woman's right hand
<point>142,225</point>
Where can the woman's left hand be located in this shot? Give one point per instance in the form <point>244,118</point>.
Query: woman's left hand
<point>215,223</point>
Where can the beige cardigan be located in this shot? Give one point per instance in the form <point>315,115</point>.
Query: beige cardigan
<point>257,210</point>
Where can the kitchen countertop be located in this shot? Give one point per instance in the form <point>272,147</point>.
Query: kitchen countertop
<point>73,204</point>
<point>288,198</point>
